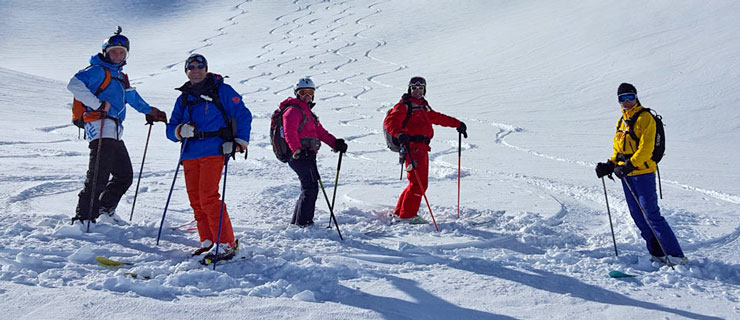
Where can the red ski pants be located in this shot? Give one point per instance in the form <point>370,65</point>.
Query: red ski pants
<point>408,203</point>
<point>202,177</point>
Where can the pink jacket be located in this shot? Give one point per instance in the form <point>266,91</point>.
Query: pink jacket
<point>292,119</point>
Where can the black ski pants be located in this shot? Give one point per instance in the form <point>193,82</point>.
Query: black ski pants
<point>114,161</point>
<point>305,167</point>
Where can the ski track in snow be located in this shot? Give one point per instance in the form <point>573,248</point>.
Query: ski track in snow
<point>547,250</point>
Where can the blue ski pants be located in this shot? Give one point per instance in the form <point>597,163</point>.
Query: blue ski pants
<point>643,186</point>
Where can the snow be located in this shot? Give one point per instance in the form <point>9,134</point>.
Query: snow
<point>535,82</point>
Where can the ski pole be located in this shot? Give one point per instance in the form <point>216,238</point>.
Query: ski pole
<point>95,173</point>
<point>136,193</point>
<point>336,182</point>
<point>459,156</point>
<point>660,188</point>
<point>172,187</point>
<point>221,215</point>
<point>423,192</point>
<point>608,212</point>
<point>401,159</point>
<point>634,195</point>
<point>331,209</point>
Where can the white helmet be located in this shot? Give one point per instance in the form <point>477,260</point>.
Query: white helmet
<point>304,83</point>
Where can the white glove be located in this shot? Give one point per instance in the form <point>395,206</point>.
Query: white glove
<point>186,130</point>
<point>227,148</point>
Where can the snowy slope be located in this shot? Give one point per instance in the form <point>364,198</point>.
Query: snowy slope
<point>535,82</point>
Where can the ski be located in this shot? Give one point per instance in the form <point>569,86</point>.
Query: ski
<point>208,262</point>
<point>619,274</point>
<point>112,263</point>
<point>187,224</point>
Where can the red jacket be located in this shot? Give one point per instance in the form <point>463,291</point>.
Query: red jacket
<point>293,117</point>
<point>421,120</point>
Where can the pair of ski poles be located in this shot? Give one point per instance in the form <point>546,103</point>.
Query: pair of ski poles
<point>644,215</point>
<point>223,199</point>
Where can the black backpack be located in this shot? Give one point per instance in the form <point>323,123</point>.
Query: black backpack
<point>277,136</point>
<point>659,149</point>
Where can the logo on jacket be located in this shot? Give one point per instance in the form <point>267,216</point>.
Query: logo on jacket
<point>236,99</point>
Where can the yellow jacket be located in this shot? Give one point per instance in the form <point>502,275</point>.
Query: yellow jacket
<point>639,153</point>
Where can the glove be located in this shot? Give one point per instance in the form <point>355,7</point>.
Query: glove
<point>623,170</point>
<point>462,128</point>
<point>604,168</point>
<point>241,146</point>
<point>185,130</point>
<point>404,139</point>
<point>297,154</point>
<point>340,146</point>
<point>228,148</point>
<point>156,115</point>
<point>411,166</point>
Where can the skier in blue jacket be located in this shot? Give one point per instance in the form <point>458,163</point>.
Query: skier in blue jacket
<point>212,122</point>
<point>107,110</point>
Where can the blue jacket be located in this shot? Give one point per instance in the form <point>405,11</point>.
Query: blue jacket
<point>206,116</point>
<point>116,94</point>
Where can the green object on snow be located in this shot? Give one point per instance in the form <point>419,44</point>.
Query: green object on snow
<point>111,263</point>
<point>619,274</point>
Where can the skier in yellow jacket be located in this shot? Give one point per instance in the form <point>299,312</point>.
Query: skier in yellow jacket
<point>632,162</point>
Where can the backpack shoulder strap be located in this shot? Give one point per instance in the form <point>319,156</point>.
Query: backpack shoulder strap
<point>633,119</point>
<point>303,113</point>
<point>409,110</point>
<point>106,81</point>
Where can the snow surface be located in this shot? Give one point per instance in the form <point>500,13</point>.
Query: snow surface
<point>534,80</point>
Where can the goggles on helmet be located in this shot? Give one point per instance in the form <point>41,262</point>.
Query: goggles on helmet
<point>116,41</point>
<point>627,97</point>
<point>307,91</point>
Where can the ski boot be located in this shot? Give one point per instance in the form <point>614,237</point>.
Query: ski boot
<point>205,246</point>
<point>225,252</point>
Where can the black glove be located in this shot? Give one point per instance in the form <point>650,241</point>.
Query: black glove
<point>462,128</point>
<point>404,139</point>
<point>340,146</point>
<point>156,115</point>
<point>623,170</point>
<point>604,168</point>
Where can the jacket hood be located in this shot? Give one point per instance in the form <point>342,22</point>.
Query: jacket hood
<point>298,102</point>
<point>628,113</point>
<point>100,60</point>
<point>209,84</point>
<point>421,102</point>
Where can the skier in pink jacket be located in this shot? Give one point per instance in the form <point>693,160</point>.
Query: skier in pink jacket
<point>303,133</point>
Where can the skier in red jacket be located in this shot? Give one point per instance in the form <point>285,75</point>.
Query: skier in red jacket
<point>416,132</point>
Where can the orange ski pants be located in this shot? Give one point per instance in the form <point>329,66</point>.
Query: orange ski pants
<point>202,177</point>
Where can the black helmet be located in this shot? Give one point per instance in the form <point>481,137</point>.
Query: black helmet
<point>117,40</point>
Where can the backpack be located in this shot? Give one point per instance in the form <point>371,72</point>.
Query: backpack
<point>390,140</point>
<point>277,135</point>
<point>80,114</point>
<point>659,149</point>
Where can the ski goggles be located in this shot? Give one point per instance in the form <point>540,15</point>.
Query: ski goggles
<point>118,40</point>
<point>193,66</point>
<point>627,97</point>
<point>417,87</point>
<point>303,92</point>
